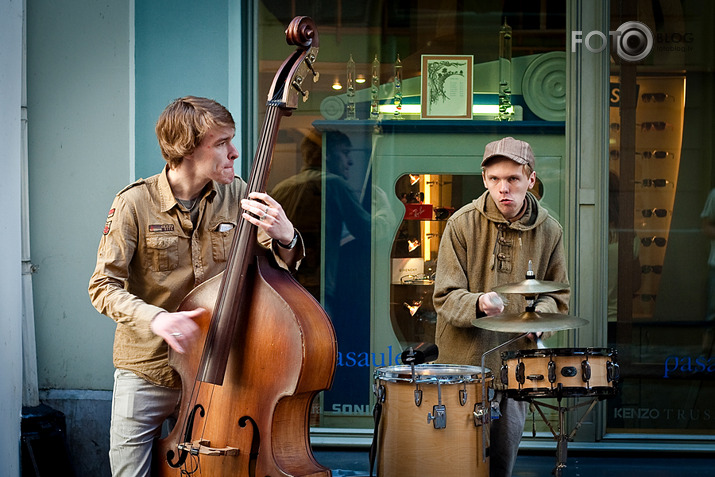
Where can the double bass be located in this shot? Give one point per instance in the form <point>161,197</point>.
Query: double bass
<point>268,345</point>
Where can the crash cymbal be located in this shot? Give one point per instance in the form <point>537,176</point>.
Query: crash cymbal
<point>529,321</point>
<point>531,286</point>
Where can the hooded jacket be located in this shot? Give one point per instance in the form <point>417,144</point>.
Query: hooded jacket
<point>480,250</point>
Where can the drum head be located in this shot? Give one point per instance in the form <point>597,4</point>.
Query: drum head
<point>431,373</point>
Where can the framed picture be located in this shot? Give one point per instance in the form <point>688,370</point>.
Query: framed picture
<point>447,86</point>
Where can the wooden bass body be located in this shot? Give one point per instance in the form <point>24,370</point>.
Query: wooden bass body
<point>257,421</point>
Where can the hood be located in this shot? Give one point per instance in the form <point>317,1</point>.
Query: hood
<point>535,213</point>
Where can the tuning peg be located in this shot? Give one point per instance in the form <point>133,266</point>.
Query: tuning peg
<point>309,63</point>
<point>297,85</point>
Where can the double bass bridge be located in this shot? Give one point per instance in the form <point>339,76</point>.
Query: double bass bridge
<point>203,447</point>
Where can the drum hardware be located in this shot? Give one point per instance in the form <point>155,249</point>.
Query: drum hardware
<point>569,372</point>
<point>463,396</point>
<point>552,371</point>
<point>438,416</point>
<point>562,438</point>
<point>418,396</point>
<point>419,354</point>
<point>526,381</point>
<point>380,393</point>
<point>479,414</point>
<point>577,372</point>
<point>585,369</point>
<point>613,372</point>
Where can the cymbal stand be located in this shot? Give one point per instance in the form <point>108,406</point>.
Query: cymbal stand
<point>562,439</point>
<point>483,411</point>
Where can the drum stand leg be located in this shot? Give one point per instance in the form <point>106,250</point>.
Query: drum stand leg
<point>562,439</point>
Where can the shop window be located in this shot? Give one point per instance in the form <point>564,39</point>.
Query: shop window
<point>661,217</point>
<point>343,160</point>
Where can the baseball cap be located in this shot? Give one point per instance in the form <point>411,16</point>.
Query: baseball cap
<point>518,151</point>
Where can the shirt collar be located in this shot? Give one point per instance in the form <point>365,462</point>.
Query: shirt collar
<point>167,195</point>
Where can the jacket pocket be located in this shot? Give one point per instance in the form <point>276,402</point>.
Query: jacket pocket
<point>162,252</point>
<point>222,233</point>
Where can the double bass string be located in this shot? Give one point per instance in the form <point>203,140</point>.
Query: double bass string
<point>240,324</point>
<point>258,177</point>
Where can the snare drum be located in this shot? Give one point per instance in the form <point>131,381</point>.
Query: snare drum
<point>430,424</point>
<point>559,372</point>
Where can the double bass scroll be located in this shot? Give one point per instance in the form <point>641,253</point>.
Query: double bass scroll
<point>266,346</point>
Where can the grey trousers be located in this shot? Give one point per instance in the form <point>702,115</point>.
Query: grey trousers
<point>505,435</point>
<point>139,409</point>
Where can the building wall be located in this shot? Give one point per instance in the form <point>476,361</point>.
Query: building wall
<point>10,239</point>
<point>98,76</point>
<point>79,82</point>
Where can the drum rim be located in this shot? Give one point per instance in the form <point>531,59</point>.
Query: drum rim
<point>546,352</point>
<point>566,391</point>
<point>461,374</point>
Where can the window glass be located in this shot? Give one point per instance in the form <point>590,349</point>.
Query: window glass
<point>343,174</point>
<point>661,221</point>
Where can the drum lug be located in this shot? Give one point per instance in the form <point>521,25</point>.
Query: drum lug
<point>463,396</point>
<point>480,415</point>
<point>552,371</point>
<point>520,373</point>
<point>505,375</point>
<point>613,372</point>
<point>418,397</point>
<point>438,416</point>
<point>586,370</point>
<point>380,394</point>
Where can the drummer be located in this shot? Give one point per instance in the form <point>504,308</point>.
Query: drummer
<point>488,243</point>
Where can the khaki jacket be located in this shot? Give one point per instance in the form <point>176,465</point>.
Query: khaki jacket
<point>481,250</point>
<point>150,257</point>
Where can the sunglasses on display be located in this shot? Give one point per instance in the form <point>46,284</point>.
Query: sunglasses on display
<point>413,197</point>
<point>654,154</point>
<point>654,182</point>
<point>658,269</point>
<point>659,241</point>
<point>654,125</point>
<point>657,212</point>
<point>656,97</point>
<point>443,213</point>
<point>417,279</point>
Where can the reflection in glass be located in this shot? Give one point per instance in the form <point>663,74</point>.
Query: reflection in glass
<point>659,241</point>
<point>413,306</point>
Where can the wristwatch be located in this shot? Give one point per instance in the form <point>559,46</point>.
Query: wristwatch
<point>292,243</point>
